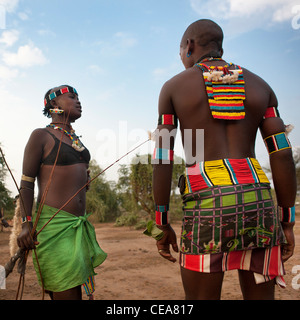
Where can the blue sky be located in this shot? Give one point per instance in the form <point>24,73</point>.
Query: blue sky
<point>118,54</point>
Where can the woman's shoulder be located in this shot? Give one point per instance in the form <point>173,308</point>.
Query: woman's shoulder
<point>39,134</point>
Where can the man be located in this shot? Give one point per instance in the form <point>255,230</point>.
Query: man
<point>229,217</point>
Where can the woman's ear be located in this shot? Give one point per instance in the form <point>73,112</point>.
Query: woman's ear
<point>53,103</point>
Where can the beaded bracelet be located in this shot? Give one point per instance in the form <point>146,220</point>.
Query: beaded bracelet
<point>28,179</point>
<point>161,214</point>
<point>287,214</point>
<point>26,219</point>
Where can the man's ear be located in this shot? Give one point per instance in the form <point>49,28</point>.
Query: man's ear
<point>190,45</point>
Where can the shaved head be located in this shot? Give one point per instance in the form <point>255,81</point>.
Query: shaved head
<point>205,33</point>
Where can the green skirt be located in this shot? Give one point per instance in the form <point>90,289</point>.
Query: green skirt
<point>68,250</point>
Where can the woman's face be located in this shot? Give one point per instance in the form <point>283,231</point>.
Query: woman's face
<point>71,105</point>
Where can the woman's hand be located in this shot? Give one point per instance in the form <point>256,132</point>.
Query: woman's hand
<point>25,240</point>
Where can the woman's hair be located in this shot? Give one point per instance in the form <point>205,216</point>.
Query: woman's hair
<point>47,107</point>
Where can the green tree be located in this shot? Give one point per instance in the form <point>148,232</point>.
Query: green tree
<point>141,183</point>
<point>6,202</point>
<point>296,155</point>
<point>135,184</point>
<point>102,198</point>
<point>124,190</point>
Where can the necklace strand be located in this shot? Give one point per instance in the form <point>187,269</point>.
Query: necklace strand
<point>76,143</point>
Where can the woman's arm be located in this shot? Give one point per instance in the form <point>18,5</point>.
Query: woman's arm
<point>31,164</point>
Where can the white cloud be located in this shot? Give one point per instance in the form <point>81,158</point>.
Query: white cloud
<point>23,16</point>
<point>46,32</point>
<point>125,40</point>
<point>119,44</point>
<point>163,74</point>
<point>9,5</point>
<point>9,37</point>
<point>26,56</point>
<point>95,69</point>
<point>244,15</point>
<point>8,73</point>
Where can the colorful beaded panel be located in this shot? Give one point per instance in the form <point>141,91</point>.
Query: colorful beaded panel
<point>168,119</point>
<point>272,112</point>
<point>161,218</point>
<point>225,90</point>
<point>223,172</point>
<point>287,214</point>
<point>277,142</point>
<point>59,92</point>
<point>163,154</point>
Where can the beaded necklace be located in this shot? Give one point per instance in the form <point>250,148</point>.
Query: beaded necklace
<point>76,143</point>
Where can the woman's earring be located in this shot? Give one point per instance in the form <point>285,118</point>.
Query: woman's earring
<point>56,111</point>
<point>188,54</point>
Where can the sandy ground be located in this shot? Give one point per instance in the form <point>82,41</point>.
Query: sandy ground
<point>135,271</point>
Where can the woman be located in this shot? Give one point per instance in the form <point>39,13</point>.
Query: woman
<point>67,249</point>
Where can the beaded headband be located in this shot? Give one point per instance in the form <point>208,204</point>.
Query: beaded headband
<point>58,93</point>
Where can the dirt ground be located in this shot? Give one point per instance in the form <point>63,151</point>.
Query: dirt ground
<point>135,271</point>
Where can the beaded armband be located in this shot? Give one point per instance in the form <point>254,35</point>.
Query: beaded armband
<point>277,142</point>
<point>26,219</point>
<point>287,214</point>
<point>163,154</point>
<point>271,112</point>
<point>168,119</point>
<point>161,214</point>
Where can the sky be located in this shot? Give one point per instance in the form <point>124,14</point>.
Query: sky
<point>119,53</point>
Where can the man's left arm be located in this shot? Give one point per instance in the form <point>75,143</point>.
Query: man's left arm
<point>162,160</point>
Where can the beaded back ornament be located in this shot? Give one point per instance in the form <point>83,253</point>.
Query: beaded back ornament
<point>225,90</point>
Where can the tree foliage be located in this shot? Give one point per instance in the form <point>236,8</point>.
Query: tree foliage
<point>101,199</point>
<point>135,186</point>
<point>6,202</point>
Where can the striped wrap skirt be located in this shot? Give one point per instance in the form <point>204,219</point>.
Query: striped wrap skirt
<point>230,226</point>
